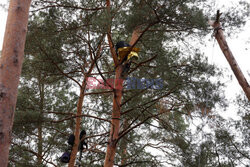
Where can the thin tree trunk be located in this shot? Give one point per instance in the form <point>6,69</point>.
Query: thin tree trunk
<point>115,122</point>
<point>77,126</point>
<point>39,128</point>
<point>40,145</point>
<point>10,70</point>
<point>78,116</point>
<point>229,56</point>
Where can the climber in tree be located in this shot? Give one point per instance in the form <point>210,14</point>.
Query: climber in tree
<point>126,54</point>
<point>66,155</point>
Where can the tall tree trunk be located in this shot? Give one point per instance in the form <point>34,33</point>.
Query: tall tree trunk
<point>77,126</point>
<point>229,56</point>
<point>79,111</point>
<point>78,115</point>
<point>118,86</point>
<point>10,70</point>
<point>115,122</point>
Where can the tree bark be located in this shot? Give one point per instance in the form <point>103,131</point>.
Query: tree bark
<point>116,114</point>
<point>124,144</point>
<point>78,115</point>
<point>229,56</point>
<point>10,70</point>
<point>115,122</point>
<point>77,126</point>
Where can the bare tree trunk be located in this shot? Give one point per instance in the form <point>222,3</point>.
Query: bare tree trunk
<point>10,70</point>
<point>115,122</point>
<point>78,115</point>
<point>229,56</point>
<point>77,126</point>
<point>116,114</point>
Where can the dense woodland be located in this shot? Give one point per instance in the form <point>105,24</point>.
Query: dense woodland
<point>179,123</point>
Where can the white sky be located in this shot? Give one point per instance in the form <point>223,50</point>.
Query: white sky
<point>240,47</point>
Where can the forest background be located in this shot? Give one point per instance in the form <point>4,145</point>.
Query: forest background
<point>176,132</point>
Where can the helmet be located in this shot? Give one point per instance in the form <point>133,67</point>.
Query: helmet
<point>121,44</point>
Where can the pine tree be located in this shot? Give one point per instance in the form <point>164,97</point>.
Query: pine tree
<point>166,88</point>
<point>10,70</point>
<point>44,97</point>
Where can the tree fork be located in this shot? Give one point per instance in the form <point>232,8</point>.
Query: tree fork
<point>116,114</point>
<point>229,56</point>
<point>80,104</point>
<point>10,70</point>
<point>118,87</point>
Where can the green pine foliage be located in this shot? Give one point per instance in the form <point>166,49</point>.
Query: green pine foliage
<point>156,122</point>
